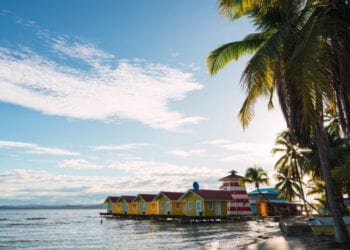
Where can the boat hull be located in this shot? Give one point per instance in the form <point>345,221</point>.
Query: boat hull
<point>325,225</point>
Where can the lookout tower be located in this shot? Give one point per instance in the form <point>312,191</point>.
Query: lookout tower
<point>239,205</point>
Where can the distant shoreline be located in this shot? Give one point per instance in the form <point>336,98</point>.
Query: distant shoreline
<point>94,206</point>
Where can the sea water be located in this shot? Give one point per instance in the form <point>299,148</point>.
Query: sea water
<point>83,229</point>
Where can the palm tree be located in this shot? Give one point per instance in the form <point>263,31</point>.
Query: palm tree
<point>294,57</point>
<point>289,166</point>
<point>286,185</point>
<point>319,188</point>
<point>257,176</point>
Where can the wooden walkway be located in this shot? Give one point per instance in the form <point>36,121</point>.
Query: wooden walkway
<point>178,218</point>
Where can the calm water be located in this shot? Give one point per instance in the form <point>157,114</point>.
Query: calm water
<point>81,229</point>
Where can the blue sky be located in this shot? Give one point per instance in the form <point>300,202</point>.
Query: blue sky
<point>113,97</point>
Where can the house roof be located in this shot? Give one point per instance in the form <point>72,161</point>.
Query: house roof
<point>112,199</point>
<point>211,195</point>
<point>146,197</point>
<point>173,196</point>
<point>264,191</point>
<point>128,198</point>
<point>232,175</point>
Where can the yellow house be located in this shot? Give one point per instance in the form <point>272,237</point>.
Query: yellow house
<point>126,204</point>
<point>168,203</point>
<point>112,204</point>
<point>205,202</point>
<point>145,204</point>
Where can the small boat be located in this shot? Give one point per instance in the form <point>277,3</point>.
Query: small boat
<point>325,225</point>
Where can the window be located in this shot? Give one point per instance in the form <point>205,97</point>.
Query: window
<point>162,205</point>
<point>177,205</point>
<point>210,205</point>
<point>189,205</point>
<point>153,206</point>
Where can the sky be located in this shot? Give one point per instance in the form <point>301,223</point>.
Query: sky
<point>108,97</point>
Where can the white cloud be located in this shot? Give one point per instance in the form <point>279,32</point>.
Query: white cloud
<point>129,146</point>
<point>133,89</point>
<point>79,164</point>
<point>188,153</point>
<point>47,188</point>
<point>218,142</point>
<point>36,149</point>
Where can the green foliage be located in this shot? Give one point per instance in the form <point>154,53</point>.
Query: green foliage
<point>255,175</point>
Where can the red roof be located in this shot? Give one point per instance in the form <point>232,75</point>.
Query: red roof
<point>147,197</point>
<point>112,199</point>
<point>128,198</point>
<point>212,195</point>
<point>173,196</point>
<point>233,175</point>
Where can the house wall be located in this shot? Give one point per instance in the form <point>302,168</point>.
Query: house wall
<point>124,207</point>
<point>109,207</point>
<point>162,204</point>
<point>116,208</point>
<point>239,205</point>
<point>210,209</point>
<point>151,207</point>
<point>176,207</point>
<point>190,206</point>
<point>140,206</point>
<point>132,208</point>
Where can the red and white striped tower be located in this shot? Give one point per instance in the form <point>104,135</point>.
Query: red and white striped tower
<point>239,205</point>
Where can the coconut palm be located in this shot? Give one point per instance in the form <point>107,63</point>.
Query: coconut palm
<point>288,188</point>
<point>289,166</point>
<point>257,176</point>
<point>318,188</point>
<point>294,57</point>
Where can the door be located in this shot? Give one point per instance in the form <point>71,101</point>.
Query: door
<point>199,208</point>
<point>167,207</point>
<point>217,208</point>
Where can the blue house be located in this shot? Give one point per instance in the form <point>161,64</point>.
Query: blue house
<point>274,204</point>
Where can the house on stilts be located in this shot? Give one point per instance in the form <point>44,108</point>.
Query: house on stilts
<point>239,204</point>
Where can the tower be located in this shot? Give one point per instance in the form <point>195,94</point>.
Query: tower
<point>239,205</point>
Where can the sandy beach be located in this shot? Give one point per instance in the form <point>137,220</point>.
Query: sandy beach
<point>279,241</point>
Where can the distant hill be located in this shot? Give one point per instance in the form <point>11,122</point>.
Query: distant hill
<point>92,206</point>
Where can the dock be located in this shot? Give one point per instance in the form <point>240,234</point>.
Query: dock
<point>178,218</point>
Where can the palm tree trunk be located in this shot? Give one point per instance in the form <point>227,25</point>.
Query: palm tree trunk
<point>322,143</point>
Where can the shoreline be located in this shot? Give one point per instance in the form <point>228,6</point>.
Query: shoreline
<point>279,241</point>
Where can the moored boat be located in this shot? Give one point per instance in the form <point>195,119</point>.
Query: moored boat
<point>325,225</point>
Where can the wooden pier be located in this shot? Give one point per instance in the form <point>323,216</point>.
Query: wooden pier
<point>178,218</point>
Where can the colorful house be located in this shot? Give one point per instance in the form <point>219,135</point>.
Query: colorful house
<point>127,206</point>
<point>267,203</point>
<point>112,202</point>
<point>168,203</point>
<point>145,204</point>
<point>205,202</point>
<point>239,203</point>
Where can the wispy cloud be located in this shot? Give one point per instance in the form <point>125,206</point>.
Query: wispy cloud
<point>188,153</point>
<point>79,164</point>
<point>48,81</point>
<point>121,147</point>
<point>218,142</point>
<point>46,187</point>
<point>36,149</point>
<point>247,153</point>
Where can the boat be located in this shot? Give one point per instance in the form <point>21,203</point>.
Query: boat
<point>325,225</point>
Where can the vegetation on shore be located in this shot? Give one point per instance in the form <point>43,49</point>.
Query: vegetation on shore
<point>301,52</point>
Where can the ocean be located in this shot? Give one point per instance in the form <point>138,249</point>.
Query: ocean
<point>82,229</point>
